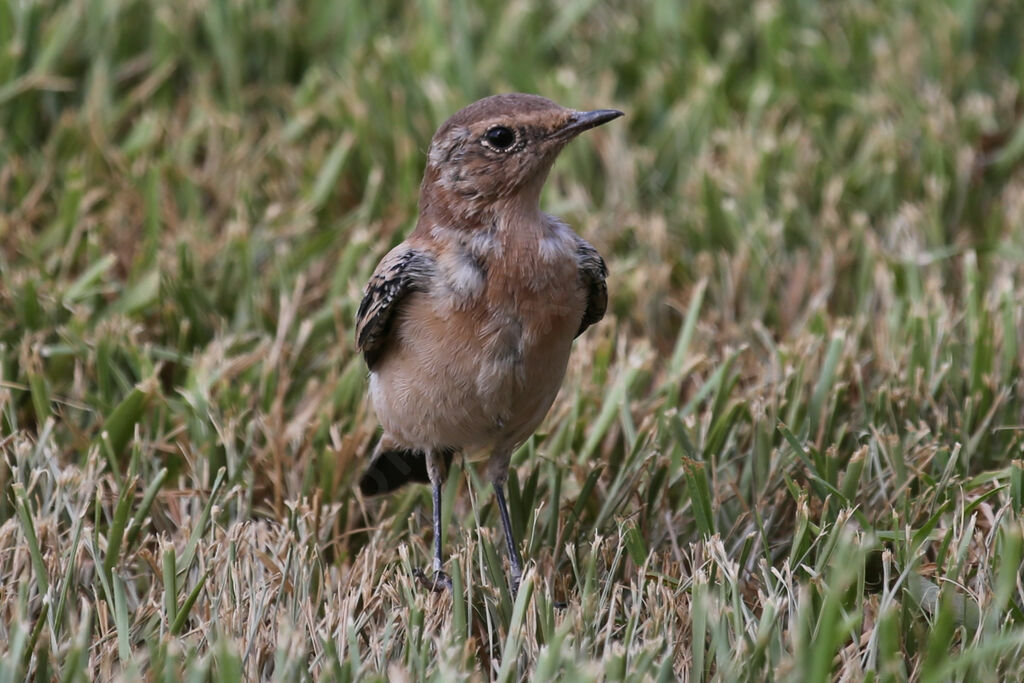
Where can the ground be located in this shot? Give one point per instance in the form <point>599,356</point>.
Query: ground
<point>792,450</point>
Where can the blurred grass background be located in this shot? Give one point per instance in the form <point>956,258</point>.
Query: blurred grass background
<point>792,450</point>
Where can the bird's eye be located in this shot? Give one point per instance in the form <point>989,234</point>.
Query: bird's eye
<point>500,138</point>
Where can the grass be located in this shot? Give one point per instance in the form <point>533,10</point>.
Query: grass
<point>794,449</point>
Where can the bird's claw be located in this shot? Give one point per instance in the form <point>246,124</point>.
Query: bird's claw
<point>437,583</point>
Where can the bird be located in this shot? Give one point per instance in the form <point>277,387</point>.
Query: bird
<point>466,326</point>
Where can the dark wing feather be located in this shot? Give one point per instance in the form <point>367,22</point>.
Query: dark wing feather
<point>402,271</point>
<point>593,273</point>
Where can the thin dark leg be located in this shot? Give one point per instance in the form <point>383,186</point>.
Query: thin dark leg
<point>511,546</point>
<point>439,581</point>
<point>437,525</point>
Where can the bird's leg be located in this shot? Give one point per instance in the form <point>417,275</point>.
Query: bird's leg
<point>439,581</point>
<point>514,559</point>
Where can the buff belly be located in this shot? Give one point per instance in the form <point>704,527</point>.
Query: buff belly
<point>452,380</point>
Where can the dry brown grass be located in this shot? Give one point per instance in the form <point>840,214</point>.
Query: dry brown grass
<point>793,450</point>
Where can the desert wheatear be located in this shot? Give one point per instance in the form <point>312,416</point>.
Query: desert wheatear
<point>466,326</point>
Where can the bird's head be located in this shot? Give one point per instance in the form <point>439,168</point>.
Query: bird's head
<point>499,148</point>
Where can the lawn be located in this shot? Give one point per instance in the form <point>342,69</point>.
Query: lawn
<point>793,450</point>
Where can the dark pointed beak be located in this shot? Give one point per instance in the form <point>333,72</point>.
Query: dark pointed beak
<point>585,120</point>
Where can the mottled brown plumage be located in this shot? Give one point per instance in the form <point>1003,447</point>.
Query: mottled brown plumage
<point>466,326</point>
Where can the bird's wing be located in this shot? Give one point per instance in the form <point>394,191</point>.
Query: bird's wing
<point>593,273</point>
<point>402,271</point>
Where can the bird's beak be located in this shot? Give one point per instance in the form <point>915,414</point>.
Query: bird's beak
<point>585,120</point>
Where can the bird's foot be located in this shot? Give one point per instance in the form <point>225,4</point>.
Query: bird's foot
<point>437,583</point>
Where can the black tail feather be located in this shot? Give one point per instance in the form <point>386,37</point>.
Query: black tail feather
<point>393,469</point>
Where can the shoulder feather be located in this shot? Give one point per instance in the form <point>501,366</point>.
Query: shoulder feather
<point>402,271</point>
<point>593,273</point>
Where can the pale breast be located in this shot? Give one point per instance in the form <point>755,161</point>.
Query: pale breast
<point>480,356</point>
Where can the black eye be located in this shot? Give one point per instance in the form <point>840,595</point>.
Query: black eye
<point>500,138</point>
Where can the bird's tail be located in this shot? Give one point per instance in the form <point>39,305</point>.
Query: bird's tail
<point>393,467</point>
